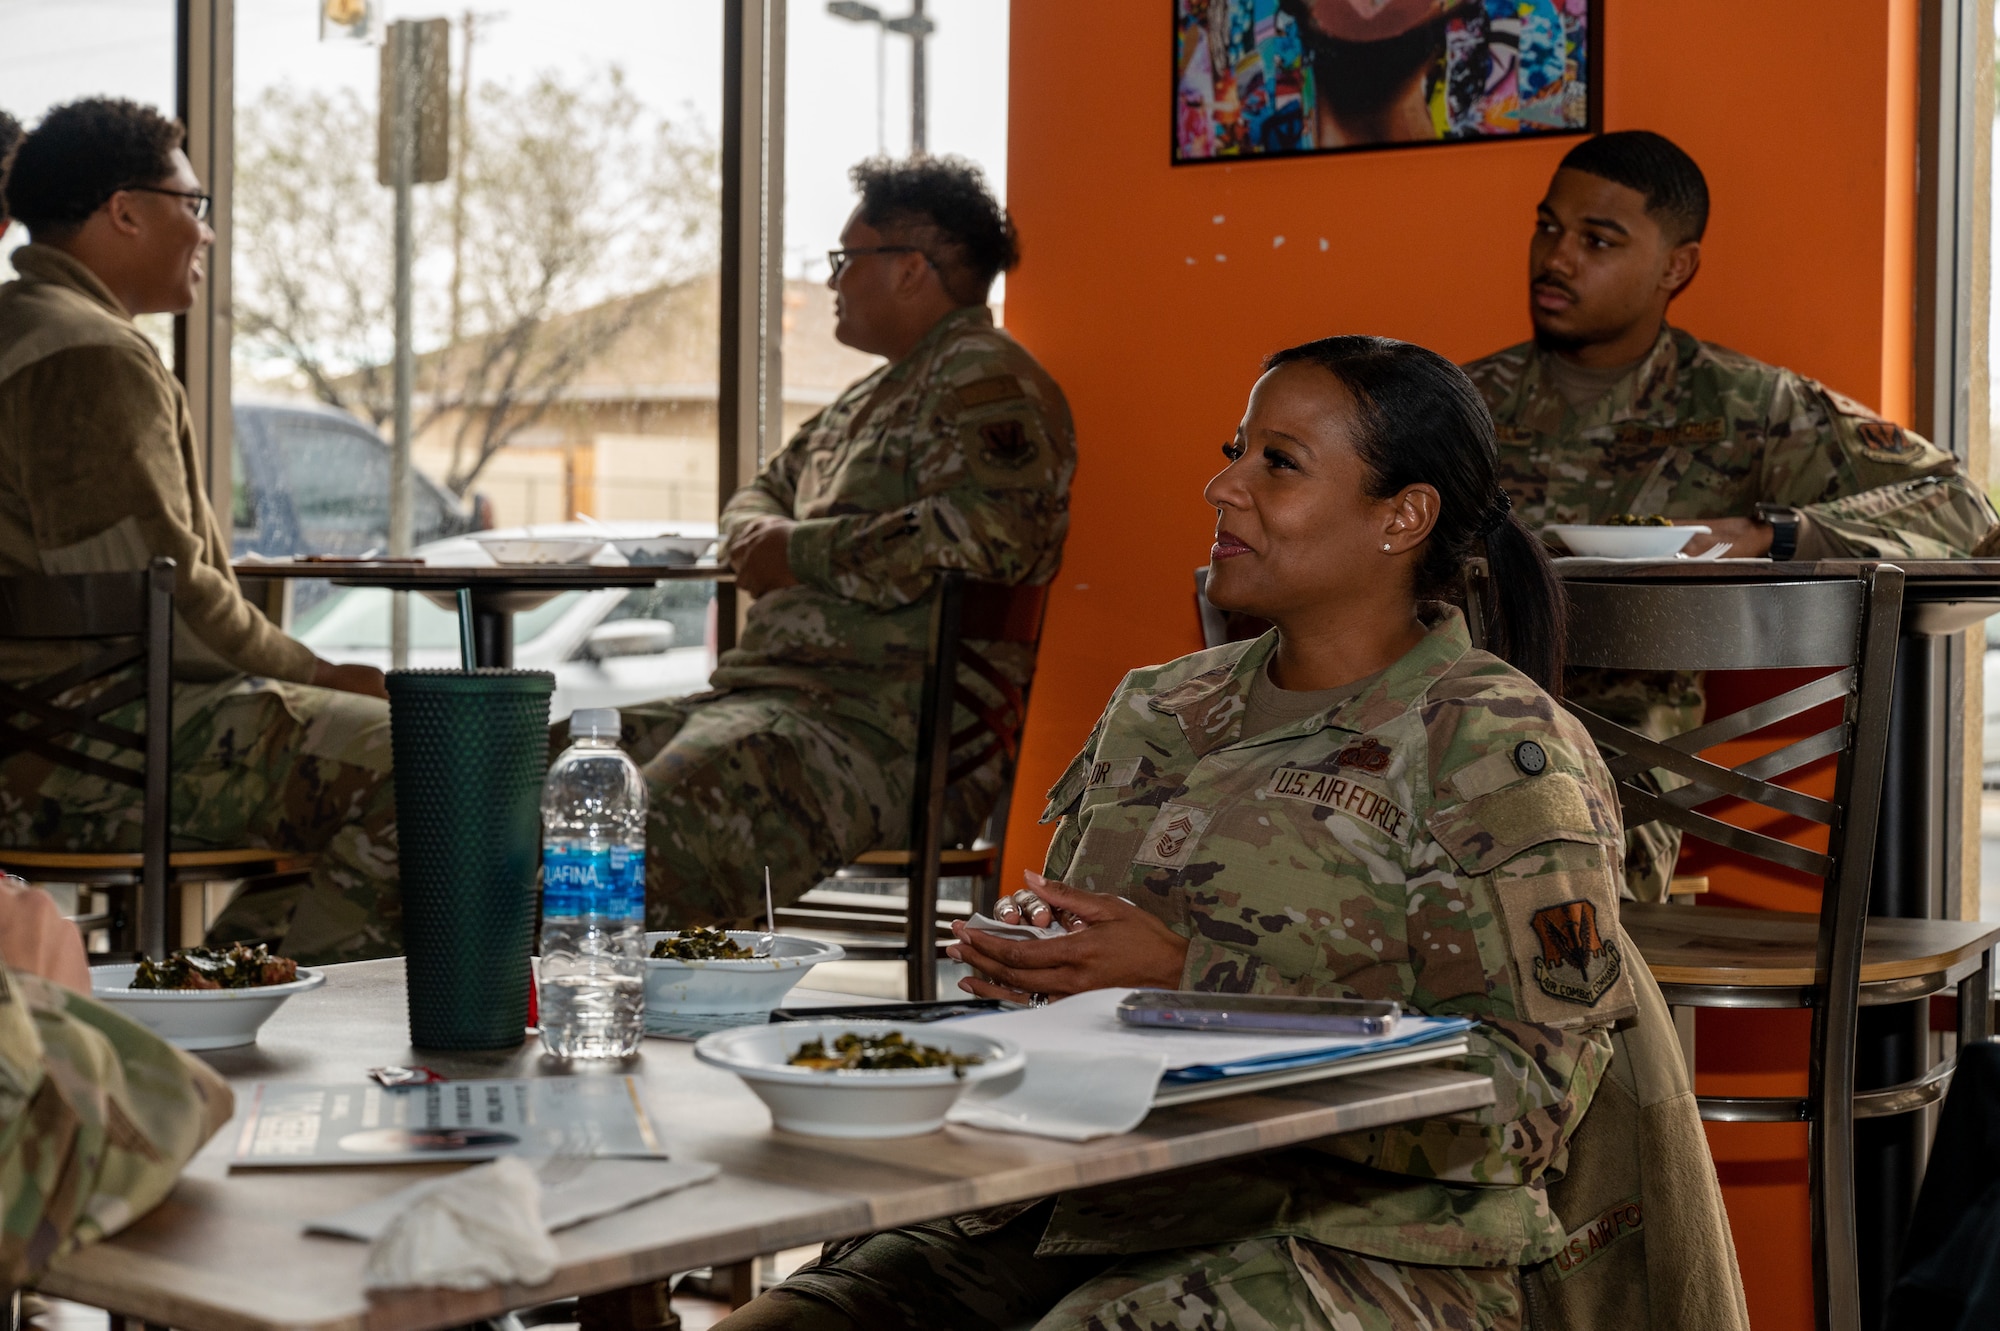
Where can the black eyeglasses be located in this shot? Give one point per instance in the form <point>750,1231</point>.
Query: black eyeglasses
<point>202,202</point>
<point>841,258</point>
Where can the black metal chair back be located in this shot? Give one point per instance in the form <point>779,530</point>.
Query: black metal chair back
<point>963,611</point>
<point>128,619</point>
<point>1848,628</point>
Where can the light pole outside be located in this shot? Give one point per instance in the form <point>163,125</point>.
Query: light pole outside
<point>917,27</point>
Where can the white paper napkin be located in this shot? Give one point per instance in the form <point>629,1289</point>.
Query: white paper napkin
<point>1022,931</point>
<point>481,1228</point>
<point>1070,1096</point>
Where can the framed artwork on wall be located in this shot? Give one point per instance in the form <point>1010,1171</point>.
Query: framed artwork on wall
<point>1278,78</point>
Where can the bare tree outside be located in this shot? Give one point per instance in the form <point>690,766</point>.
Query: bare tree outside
<point>575,207</point>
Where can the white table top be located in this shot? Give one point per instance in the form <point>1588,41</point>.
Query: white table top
<point>227,1252</point>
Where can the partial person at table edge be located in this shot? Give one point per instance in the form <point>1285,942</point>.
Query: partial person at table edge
<point>273,747</point>
<point>97,1114</point>
<point>1359,804</point>
<point>955,454</point>
<point>1611,410</point>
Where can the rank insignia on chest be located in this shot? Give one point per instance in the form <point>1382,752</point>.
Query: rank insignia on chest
<point>1370,755</point>
<point>1172,837</point>
<point>1577,965</point>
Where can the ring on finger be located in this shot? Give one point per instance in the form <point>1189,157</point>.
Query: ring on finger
<point>1038,1000</point>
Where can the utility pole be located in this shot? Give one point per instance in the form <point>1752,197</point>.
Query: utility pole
<point>412,147</point>
<point>917,27</point>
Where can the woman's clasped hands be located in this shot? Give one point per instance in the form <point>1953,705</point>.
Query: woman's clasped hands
<point>1110,943</point>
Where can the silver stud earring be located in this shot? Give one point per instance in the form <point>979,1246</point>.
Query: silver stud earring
<point>1385,547</point>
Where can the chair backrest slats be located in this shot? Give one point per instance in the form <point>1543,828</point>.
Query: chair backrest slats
<point>75,606</point>
<point>962,611</point>
<point>136,610</point>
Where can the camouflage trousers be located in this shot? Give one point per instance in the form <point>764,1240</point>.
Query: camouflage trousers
<point>760,777</point>
<point>256,763</point>
<point>933,1275</point>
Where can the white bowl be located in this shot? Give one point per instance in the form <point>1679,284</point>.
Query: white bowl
<point>540,549</point>
<point>901,1102</point>
<point>732,986</point>
<point>664,549</point>
<point>1599,542</point>
<point>197,1018</point>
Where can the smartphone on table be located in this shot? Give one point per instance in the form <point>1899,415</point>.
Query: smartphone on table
<point>1256,1014</point>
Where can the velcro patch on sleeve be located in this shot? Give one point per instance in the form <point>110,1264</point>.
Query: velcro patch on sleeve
<point>1484,833</point>
<point>984,392</point>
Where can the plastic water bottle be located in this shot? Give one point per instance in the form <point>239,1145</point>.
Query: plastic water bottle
<point>593,895</point>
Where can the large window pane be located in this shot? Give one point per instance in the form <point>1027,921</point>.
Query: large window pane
<point>847,97</point>
<point>564,298</point>
<point>56,53</point>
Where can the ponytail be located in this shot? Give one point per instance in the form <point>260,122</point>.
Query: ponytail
<point>1527,615</point>
<point>1423,423</point>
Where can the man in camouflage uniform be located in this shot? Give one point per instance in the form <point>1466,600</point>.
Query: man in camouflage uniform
<point>1441,834</point>
<point>97,1114</point>
<point>957,454</point>
<point>272,746</point>
<point>1611,411</point>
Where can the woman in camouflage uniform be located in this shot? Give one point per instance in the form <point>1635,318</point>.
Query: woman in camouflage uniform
<point>1358,804</point>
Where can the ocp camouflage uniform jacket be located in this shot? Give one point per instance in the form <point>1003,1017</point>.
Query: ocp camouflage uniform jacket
<point>100,471</point>
<point>1447,839</point>
<point>957,456</point>
<point>1700,431</point>
<point>97,1116</point>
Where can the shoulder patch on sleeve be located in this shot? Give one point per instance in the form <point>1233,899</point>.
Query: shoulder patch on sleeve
<point>1484,833</point>
<point>984,392</point>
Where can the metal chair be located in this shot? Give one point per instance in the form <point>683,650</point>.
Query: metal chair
<point>963,611</point>
<point>1832,963</point>
<point>129,619</point>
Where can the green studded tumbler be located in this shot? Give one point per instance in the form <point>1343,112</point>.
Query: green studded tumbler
<point>471,748</point>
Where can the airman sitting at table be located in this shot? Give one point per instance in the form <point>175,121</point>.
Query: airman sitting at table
<point>1359,804</point>
<point>1610,411</point>
<point>100,472</point>
<point>956,454</point>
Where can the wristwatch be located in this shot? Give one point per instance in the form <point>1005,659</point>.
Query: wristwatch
<point>1784,523</point>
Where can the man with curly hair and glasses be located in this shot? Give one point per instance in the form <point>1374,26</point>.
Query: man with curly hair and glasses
<point>100,472</point>
<point>955,454</point>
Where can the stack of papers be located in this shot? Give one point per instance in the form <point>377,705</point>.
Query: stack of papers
<point>1091,1075</point>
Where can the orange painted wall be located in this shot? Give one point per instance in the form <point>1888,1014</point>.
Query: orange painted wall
<point>1150,292</point>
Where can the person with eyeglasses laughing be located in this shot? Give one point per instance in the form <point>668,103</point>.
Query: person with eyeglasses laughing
<point>100,472</point>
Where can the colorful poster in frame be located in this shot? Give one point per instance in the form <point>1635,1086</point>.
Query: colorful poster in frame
<point>1279,78</point>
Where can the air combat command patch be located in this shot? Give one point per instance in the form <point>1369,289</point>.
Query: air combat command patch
<point>1577,965</point>
<point>1006,444</point>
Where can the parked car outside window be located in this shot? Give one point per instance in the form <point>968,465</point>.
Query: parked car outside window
<point>310,480</point>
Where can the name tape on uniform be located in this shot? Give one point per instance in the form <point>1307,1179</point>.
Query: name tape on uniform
<point>1346,794</point>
